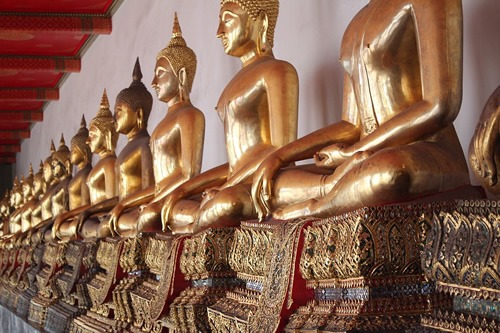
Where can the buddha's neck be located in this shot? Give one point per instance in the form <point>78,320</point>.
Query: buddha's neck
<point>253,56</point>
<point>178,105</point>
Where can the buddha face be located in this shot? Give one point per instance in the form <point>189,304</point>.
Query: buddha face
<point>57,168</point>
<point>95,140</point>
<point>27,191</point>
<point>236,29</point>
<point>37,186</point>
<point>76,156</point>
<point>125,117</point>
<point>47,172</point>
<point>165,82</point>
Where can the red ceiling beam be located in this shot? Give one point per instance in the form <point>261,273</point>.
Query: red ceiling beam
<point>87,24</point>
<point>20,116</point>
<point>14,135</point>
<point>10,148</point>
<point>34,94</point>
<point>59,64</point>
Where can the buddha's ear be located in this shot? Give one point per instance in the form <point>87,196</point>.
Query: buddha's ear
<point>263,26</point>
<point>140,118</point>
<point>68,167</point>
<point>181,75</point>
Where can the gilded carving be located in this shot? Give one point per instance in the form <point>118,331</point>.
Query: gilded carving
<point>368,242</point>
<point>463,249</point>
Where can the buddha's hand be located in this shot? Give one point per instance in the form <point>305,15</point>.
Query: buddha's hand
<point>82,217</point>
<point>262,187</point>
<point>332,156</point>
<point>114,215</point>
<point>168,205</point>
<point>55,228</point>
<point>484,145</point>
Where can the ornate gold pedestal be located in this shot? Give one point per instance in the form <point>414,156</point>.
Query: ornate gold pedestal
<point>99,289</point>
<point>48,292</point>
<point>79,255</point>
<point>264,257</point>
<point>156,289</point>
<point>462,254</point>
<point>18,281</point>
<point>24,299</point>
<point>204,262</point>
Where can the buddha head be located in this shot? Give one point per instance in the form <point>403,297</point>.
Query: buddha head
<point>80,150</point>
<point>247,25</point>
<point>102,130</point>
<point>133,104</point>
<point>61,164</point>
<point>48,176</point>
<point>16,195</point>
<point>39,182</point>
<point>175,68</point>
<point>27,185</point>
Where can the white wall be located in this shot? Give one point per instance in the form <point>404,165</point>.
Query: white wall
<point>308,36</point>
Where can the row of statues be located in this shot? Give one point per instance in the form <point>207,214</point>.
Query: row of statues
<point>402,62</point>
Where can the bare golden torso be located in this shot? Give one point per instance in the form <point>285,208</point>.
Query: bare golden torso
<point>135,166</point>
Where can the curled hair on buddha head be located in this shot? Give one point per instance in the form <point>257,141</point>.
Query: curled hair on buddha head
<point>48,160</point>
<point>80,140</point>
<point>180,55</point>
<point>255,7</point>
<point>62,155</point>
<point>137,95</point>
<point>105,123</point>
<point>29,180</point>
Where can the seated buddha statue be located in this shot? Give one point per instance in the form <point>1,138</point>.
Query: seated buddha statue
<point>39,187</point>
<point>16,202</point>
<point>28,199</point>
<point>258,108</point>
<point>101,180</point>
<point>134,163</point>
<point>51,182</point>
<point>176,142</point>
<point>55,199</point>
<point>78,190</point>
<point>396,141</point>
<point>484,150</point>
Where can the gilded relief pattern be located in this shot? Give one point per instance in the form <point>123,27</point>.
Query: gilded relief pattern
<point>462,251</point>
<point>263,253</point>
<point>379,241</point>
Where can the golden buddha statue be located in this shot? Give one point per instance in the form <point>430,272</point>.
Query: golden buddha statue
<point>396,140</point>
<point>39,187</point>
<point>259,110</point>
<point>134,163</point>
<point>55,199</point>
<point>78,190</point>
<point>101,180</point>
<point>176,142</point>
<point>50,183</point>
<point>62,170</point>
<point>29,198</point>
<point>16,202</point>
<point>484,150</point>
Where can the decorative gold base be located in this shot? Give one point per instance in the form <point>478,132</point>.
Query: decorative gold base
<point>264,257</point>
<point>451,321</point>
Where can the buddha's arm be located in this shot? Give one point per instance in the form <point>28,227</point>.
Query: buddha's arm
<point>439,38</point>
<point>282,99</point>
<point>66,216</point>
<point>192,134</point>
<point>209,179</point>
<point>148,178</point>
<point>346,131</point>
